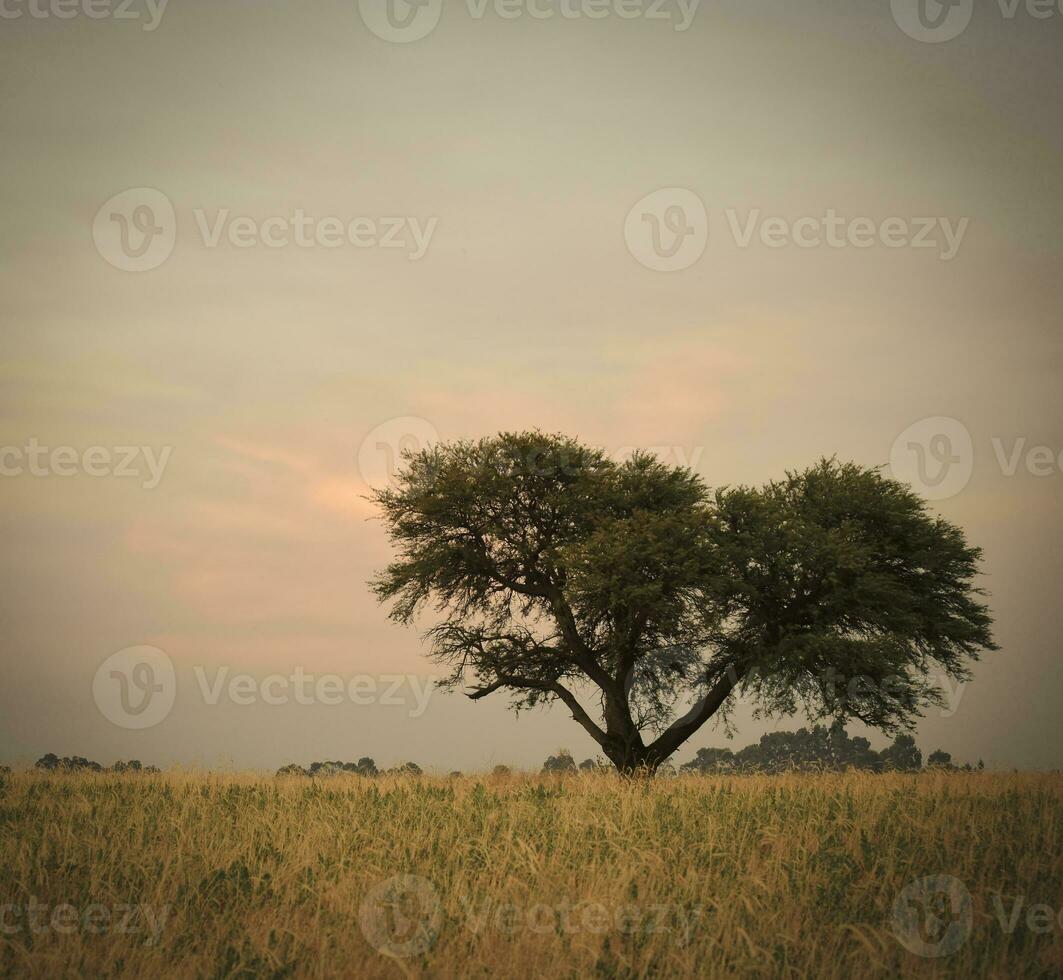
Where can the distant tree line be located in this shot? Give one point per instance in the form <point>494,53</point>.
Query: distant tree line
<point>363,767</point>
<point>77,763</point>
<point>807,750</point>
<point>819,749</point>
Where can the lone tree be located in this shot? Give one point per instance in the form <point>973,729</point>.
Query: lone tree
<point>559,572</point>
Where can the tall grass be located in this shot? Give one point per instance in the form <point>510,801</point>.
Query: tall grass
<point>521,876</point>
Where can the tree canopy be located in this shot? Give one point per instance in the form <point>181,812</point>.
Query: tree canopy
<point>559,574</point>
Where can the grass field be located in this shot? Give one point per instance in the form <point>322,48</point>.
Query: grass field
<point>522,876</point>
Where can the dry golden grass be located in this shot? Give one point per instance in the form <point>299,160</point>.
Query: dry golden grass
<point>789,876</point>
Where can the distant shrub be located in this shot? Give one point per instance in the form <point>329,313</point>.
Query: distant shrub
<point>902,756</point>
<point>134,765</point>
<point>939,759</point>
<point>560,763</point>
<point>711,760</point>
<point>52,763</point>
<point>364,767</point>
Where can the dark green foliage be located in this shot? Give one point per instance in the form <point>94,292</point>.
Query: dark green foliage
<point>133,766</point>
<point>816,750</point>
<point>363,767</point>
<point>560,763</point>
<point>903,755</point>
<point>52,763</point>
<point>712,760</point>
<point>940,758</point>
<point>557,571</point>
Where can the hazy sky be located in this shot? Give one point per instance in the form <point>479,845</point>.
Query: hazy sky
<point>508,159</point>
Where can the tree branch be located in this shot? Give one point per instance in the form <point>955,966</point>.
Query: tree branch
<point>551,687</point>
<point>670,740</point>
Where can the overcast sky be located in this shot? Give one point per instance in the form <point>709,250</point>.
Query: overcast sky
<point>265,245</point>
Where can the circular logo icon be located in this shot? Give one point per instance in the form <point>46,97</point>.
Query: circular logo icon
<point>135,687</point>
<point>932,21</point>
<point>402,916</point>
<point>135,231</point>
<point>935,455</point>
<point>667,230</point>
<point>381,453</point>
<point>401,21</point>
<point>933,916</point>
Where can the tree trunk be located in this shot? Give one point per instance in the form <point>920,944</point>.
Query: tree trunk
<point>633,761</point>
<point>624,746</point>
